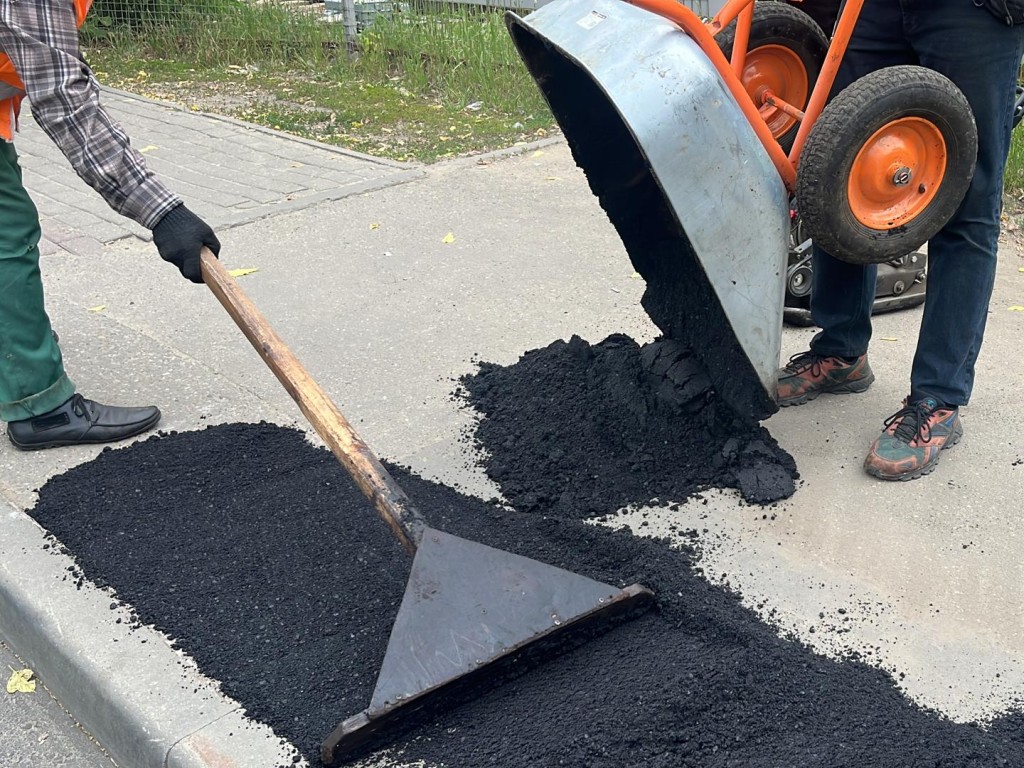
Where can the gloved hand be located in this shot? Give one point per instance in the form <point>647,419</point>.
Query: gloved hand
<point>179,237</point>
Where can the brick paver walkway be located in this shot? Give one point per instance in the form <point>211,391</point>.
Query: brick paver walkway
<point>228,172</point>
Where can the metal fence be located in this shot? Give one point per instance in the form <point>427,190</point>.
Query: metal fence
<point>138,12</point>
<point>264,24</point>
<point>143,13</point>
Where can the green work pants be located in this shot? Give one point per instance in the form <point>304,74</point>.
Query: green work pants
<point>32,378</point>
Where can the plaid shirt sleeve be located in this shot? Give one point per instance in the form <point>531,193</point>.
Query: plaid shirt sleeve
<point>41,38</point>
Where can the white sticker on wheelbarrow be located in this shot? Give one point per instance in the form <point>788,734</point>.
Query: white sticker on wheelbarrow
<point>591,20</point>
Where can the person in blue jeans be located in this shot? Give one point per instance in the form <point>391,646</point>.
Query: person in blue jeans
<point>981,53</point>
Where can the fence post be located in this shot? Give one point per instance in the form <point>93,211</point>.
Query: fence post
<point>348,21</point>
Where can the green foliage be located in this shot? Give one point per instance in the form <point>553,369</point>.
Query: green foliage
<point>213,32</point>
<point>421,83</point>
<point>463,53</point>
<point>1013,182</point>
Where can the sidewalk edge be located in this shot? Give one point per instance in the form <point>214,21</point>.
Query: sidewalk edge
<point>124,684</point>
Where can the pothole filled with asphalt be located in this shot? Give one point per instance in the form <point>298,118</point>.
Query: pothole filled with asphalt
<point>256,554</point>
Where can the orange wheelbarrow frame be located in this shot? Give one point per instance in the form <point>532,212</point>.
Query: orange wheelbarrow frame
<point>703,33</point>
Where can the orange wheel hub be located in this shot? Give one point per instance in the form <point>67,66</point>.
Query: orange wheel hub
<point>779,70</point>
<point>897,173</point>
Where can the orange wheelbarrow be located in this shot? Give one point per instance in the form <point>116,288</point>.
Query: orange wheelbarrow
<point>876,172</point>
<point>699,137</point>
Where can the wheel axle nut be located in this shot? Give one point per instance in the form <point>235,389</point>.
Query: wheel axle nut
<point>902,176</point>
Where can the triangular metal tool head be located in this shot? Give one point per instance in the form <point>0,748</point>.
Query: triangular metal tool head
<point>467,605</point>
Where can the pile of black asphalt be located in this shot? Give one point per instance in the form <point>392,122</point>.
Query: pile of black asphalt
<point>579,429</point>
<point>256,554</point>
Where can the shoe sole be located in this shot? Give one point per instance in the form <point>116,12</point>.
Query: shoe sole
<point>144,427</point>
<point>847,388</point>
<point>927,469</point>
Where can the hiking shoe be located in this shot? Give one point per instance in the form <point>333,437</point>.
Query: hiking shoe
<point>808,375</point>
<point>913,439</point>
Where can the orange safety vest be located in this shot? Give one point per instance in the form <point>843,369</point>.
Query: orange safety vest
<point>10,106</point>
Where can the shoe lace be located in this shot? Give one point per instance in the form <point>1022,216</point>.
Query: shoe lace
<point>914,422</point>
<point>805,361</point>
<point>79,407</point>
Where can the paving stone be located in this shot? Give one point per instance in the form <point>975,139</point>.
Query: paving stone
<point>228,172</point>
<point>47,247</point>
<point>83,246</point>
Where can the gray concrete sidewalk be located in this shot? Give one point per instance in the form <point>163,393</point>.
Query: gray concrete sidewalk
<point>386,311</point>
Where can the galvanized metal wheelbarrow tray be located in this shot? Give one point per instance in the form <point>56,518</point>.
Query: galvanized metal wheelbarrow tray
<point>683,177</point>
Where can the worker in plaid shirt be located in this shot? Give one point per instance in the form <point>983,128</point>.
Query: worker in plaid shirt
<point>40,61</point>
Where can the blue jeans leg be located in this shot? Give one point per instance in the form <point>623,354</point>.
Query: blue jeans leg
<point>982,56</point>
<point>842,294</point>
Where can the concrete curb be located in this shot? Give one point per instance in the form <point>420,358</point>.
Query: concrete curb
<point>501,154</point>
<point>263,129</point>
<point>147,704</point>
<point>413,170</point>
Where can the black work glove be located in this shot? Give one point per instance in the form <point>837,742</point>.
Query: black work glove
<point>179,237</point>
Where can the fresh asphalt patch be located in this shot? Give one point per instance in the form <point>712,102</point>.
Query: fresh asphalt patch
<point>253,550</point>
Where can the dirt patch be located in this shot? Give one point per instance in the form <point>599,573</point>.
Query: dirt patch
<point>256,553</point>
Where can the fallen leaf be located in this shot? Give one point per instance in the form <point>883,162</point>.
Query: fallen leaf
<point>538,153</point>
<point>553,178</point>
<point>375,225</point>
<point>21,681</point>
<point>243,271</point>
<point>635,276</point>
<point>889,338</point>
<point>98,308</point>
<point>448,239</point>
<point>1016,308</point>
<point>149,148</point>
<point>1020,269</point>
<point>297,165</point>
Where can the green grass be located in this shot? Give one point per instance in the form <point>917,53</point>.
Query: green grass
<point>424,84</point>
<point>216,33</point>
<point>1013,185</point>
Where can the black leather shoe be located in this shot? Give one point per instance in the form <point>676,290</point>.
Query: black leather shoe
<point>80,422</point>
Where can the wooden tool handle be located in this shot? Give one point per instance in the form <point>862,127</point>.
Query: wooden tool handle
<point>365,468</point>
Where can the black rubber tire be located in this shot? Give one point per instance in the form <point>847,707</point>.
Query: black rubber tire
<point>824,12</point>
<point>837,137</point>
<point>783,25</point>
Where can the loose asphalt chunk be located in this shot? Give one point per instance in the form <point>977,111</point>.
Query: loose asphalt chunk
<point>580,430</point>
<point>255,552</point>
